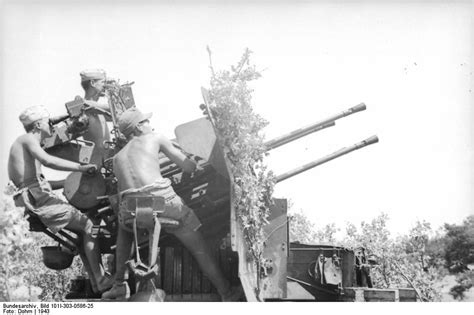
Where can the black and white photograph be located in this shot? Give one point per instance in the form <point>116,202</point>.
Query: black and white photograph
<point>235,151</point>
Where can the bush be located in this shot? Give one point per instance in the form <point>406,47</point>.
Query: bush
<point>23,276</point>
<point>239,132</point>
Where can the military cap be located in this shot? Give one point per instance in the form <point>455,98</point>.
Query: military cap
<point>32,114</point>
<point>92,74</point>
<point>130,119</point>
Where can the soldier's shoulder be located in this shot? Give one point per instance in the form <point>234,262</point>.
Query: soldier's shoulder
<point>22,141</point>
<point>24,138</point>
<point>159,135</point>
<point>155,136</point>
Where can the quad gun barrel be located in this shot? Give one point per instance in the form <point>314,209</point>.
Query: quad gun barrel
<point>325,123</point>
<point>327,158</point>
<point>169,168</point>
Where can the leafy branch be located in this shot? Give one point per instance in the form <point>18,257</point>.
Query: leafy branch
<point>239,129</point>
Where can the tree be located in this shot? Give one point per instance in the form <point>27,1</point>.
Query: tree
<point>301,228</point>
<point>458,253</point>
<point>327,234</point>
<point>436,248</point>
<point>416,242</point>
<point>460,243</point>
<point>401,261</point>
<point>375,237</point>
<point>418,262</point>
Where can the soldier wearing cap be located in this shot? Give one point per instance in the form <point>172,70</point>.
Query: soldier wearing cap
<point>35,193</point>
<point>93,83</point>
<point>137,169</point>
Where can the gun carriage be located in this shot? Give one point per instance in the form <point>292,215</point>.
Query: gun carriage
<point>293,271</point>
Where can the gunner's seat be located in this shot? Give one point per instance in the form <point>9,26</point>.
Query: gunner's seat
<point>67,239</point>
<point>142,212</point>
<point>143,208</point>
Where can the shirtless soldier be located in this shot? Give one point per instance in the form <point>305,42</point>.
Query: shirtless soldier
<point>93,83</point>
<point>137,168</point>
<point>35,193</point>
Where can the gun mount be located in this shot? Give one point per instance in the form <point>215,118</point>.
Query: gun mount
<point>292,268</point>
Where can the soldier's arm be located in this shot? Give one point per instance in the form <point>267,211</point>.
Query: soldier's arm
<point>57,184</point>
<point>51,161</point>
<point>97,105</point>
<point>103,107</point>
<point>175,155</point>
<point>99,108</point>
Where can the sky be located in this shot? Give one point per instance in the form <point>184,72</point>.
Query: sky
<point>409,62</point>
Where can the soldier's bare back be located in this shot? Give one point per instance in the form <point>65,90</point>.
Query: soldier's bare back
<point>138,163</point>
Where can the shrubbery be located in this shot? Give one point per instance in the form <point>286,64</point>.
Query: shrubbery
<point>23,276</point>
<point>239,130</point>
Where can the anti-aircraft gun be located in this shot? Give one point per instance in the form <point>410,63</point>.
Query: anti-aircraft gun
<point>210,195</point>
<point>292,272</point>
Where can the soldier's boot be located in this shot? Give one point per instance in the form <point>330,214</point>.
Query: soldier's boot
<point>119,291</point>
<point>105,283</point>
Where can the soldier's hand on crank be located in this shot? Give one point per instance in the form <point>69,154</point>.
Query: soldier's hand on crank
<point>199,169</point>
<point>89,169</point>
<point>198,162</point>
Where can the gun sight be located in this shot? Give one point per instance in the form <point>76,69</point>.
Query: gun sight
<point>57,119</point>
